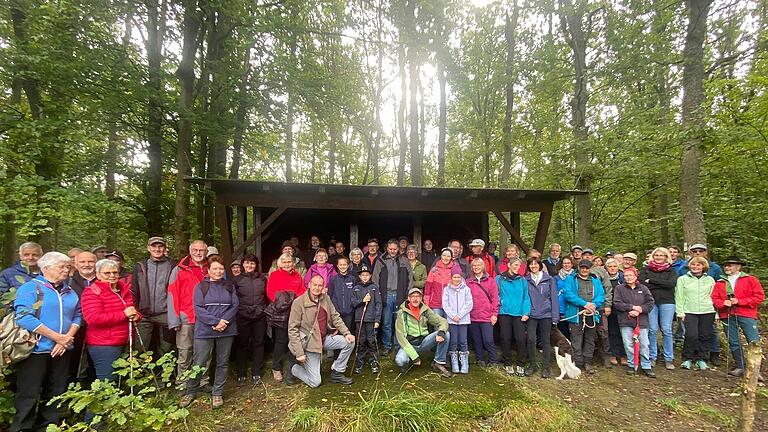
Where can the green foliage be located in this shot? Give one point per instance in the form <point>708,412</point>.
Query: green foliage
<point>145,401</point>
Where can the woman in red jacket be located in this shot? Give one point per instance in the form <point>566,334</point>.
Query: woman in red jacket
<point>437,279</point>
<point>285,278</point>
<point>107,308</point>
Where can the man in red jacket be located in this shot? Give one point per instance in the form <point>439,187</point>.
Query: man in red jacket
<point>181,310</point>
<point>477,246</point>
<point>736,297</point>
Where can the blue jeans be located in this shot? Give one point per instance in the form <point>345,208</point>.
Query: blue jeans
<point>661,317</point>
<point>103,356</point>
<point>439,311</point>
<point>429,342</point>
<point>459,337</point>
<point>387,326</point>
<point>731,327</point>
<point>629,347</point>
<point>714,345</point>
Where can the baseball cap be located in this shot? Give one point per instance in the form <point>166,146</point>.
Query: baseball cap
<point>630,255</point>
<point>585,263</point>
<point>697,246</point>
<point>477,242</point>
<point>157,239</point>
<point>414,291</point>
<point>574,247</point>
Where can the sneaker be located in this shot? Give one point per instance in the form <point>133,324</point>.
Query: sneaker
<point>529,371</point>
<point>702,365</point>
<point>482,363</point>
<point>631,371</point>
<point>510,370</point>
<point>669,365</point>
<point>339,378</point>
<point>375,367</point>
<point>241,381</point>
<point>256,380</point>
<point>186,401</point>
<point>714,358</point>
<point>441,370</point>
<point>358,370</point>
<point>686,364</point>
<point>649,373</point>
<point>624,361</point>
<point>590,369</point>
<point>736,372</point>
<point>519,371</point>
<point>545,373</point>
<point>277,375</point>
<point>218,401</point>
<point>614,361</point>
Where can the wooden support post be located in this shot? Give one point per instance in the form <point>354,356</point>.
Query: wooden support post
<point>256,225</point>
<point>542,229</point>
<point>754,356</point>
<point>262,227</point>
<point>242,225</point>
<point>512,231</point>
<point>225,225</point>
<point>417,231</point>
<point>485,231</point>
<point>514,219</point>
<point>354,235</point>
<point>503,239</point>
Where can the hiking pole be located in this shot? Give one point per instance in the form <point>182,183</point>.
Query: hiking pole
<point>357,339</point>
<point>144,349</point>
<point>130,355</point>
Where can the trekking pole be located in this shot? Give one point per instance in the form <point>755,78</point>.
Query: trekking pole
<point>130,355</point>
<point>359,328</point>
<point>152,371</point>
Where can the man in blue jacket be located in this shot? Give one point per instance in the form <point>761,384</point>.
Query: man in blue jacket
<point>24,270</point>
<point>584,294</point>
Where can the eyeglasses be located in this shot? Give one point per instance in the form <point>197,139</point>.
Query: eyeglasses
<point>110,273</point>
<point>199,250</point>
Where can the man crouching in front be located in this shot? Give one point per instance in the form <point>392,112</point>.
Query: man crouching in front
<point>411,321</point>
<point>313,325</point>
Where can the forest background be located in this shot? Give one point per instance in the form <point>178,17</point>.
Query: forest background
<point>656,107</point>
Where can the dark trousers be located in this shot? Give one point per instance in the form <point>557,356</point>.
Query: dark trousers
<point>614,335</point>
<point>280,352</point>
<point>250,343</point>
<point>39,378</point>
<point>602,340</point>
<point>203,348</point>
<point>510,326</point>
<point>482,341</point>
<point>698,334</point>
<point>349,321</point>
<point>366,344</point>
<point>458,340</point>
<point>540,328</point>
<point>81,366</point>
<point>583,341</point>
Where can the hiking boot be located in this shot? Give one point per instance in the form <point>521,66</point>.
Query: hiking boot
<point>519,371</point>
<point>482,364</point>
<point>649,373</point>
<point>589,368</point>
<point>441,370</point>
<point>714,358</point>
<point>218,401</point>
<point>510,370</point>
<point>375,367</point>
<point>624,361</point>
<point>631,371</point>
<point>686,364</point>
<point>256,380</point>
<point>241,381</point>
<point>607,363</point>
<point>702,365</point>
<point>277,375</point>
<point>288,378</point>
<point>464,362</point>
<point>529,371</point>
<point>339,378</point>
<point>669,365</point>
<point>186,400</point>
<point>737,372</point>
<point>545,373</point>
<point>358,369</point>
<point>454,356</point>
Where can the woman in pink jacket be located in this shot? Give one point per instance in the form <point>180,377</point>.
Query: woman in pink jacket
<point>485,311</point>
<point>437,279</point>
<point>321,267</point>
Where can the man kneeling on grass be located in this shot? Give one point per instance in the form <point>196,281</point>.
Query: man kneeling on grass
<point>412,332</point>
<point>315,325</point>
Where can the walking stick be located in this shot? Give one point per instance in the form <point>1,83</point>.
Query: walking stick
<point>152,371</point>
<point>359,329</point>
<point>636,341</point>
<point>130,355</point>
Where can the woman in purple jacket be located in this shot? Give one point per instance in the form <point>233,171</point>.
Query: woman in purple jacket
<point>545,312</point>
<point>216,306</point>
<point>321,267</point>
<point>485,311</point>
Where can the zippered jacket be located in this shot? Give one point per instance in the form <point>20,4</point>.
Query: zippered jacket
<point>58,310</point>
<point>103,312</point>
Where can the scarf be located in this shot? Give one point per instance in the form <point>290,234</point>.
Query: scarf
<point>658,268</point>
<point>564,273</point>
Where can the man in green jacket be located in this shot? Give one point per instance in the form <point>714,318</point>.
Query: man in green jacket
<point>412,332</point>
<point>419,271</point>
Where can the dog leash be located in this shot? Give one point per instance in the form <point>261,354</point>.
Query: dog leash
<point>586,313</point>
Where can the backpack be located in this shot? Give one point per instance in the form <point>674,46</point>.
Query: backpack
<point>16,342</point>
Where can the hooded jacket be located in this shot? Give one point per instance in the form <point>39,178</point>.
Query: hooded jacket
<point>103,311</point>
<point>58,311</point>
<point>419,274</point>
<point>409,330</point>
<point>184,279</point>
<point>485,298</point>
<point>15,276</point>
<point>544,303</point>
<point>748,291</point>
<point>504,266</point>
<point>251,291</point>
<point>215,301</point>
<point>513,295</point>
<point>282,280</point>
<point>457,301</point>
<point>624,298</point>
<point>574,303</point>
<point>373,311</point>
<point>149,285</point>
<point>340,289</point>
<point>694,295</point>
<point>302,324</point>
<point>326,271</point>
<point>662,284</point>
<point>437,279</point>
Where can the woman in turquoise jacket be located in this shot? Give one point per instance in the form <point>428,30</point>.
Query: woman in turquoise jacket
<point>514,308</point>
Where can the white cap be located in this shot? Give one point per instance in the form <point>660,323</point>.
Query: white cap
<point>477,242</point>
<point>213,251</point>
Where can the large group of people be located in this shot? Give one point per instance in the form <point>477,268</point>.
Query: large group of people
<point>406,301</point>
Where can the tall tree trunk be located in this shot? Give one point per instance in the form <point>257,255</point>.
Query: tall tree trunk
<point>572,16</point>
<point>661,41</point>
<point>289,121</point>
<point>693,121</point>
<point>333,135</point>
<point>401,114</point>
<point>240,116</point>
<point>510,35</point>
<point>375,156</point>
<point>154,130</point>
<point>442,123</point>
<point>413,71</point>
<point>110,190</point>
<point>186,75</point>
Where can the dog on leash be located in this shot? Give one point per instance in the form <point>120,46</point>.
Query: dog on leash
<point>563,352</point>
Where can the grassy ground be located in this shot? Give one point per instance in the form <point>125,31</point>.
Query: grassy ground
<point>485,400</point>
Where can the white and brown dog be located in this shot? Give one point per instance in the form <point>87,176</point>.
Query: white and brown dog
<point>563,352</point>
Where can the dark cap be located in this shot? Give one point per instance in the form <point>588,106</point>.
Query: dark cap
<point>157,239</point>
<point>733,259</point>
<point>585,263</point>
<point>98,248</point>
<point>364,269</point>
<point>115,253</point>
<point>588,251</point>
<point>574,247</point>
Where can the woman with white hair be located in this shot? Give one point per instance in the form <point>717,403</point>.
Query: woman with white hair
<point>355,260</point>
<point>47,306</point>
<point>283,285</point>
<point>24,270</point>
<point>660,277</point>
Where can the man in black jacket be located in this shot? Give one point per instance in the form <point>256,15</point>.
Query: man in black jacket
<point>149,285</point>
<point>393,275</point>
